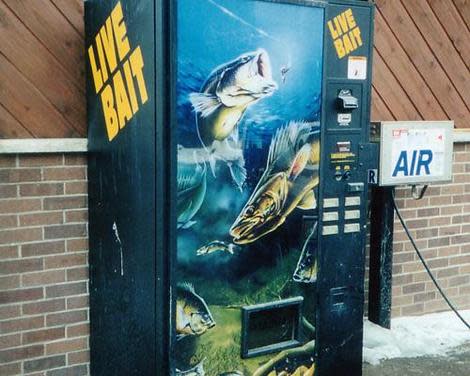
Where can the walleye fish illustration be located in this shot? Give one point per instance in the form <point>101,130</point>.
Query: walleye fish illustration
<point>193,317</point>
<point>191,190</point>
<point>197,370</point>
<point>306,270</point>
<point>222,101</point>
<point>288,182</point>
<point>216,246</point>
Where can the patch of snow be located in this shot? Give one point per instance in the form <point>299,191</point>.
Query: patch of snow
<point>411,337</point>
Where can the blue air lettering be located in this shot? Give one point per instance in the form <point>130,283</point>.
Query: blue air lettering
<point>414,166</point>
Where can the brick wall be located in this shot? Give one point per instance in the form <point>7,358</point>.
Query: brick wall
<point>44,274</point>
<point>43,265</point>
<point>440,224</point>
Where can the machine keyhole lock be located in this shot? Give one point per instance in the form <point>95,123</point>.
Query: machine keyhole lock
<point>342,174</point>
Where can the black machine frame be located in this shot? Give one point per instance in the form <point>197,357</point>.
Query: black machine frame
<point>334,357</point>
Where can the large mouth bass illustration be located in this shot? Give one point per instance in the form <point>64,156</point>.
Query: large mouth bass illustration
<point>193,317</point>
<point>191,190</point>
<point>228,91</point>
<point>288,182</point>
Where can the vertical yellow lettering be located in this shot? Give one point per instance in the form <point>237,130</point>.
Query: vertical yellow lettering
<point>334,33</point>
<point>110,116</point>
<point>131,87</point>
<point>337,26</point>
<point>137,64</point>
<point>95,71</point>
<point>340,48</point>
<point>350,18</point>
<point>123,106</point>
<point>348,48</point>
<point>120,31</point>
<point>107,39</point>
<point>357,35</point>
<point>343,22</point>
<point>101,58</point>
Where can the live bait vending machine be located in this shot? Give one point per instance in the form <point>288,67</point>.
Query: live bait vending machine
<point>228,154</point>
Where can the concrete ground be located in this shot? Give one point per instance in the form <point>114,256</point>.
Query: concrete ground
<point>455,364</point>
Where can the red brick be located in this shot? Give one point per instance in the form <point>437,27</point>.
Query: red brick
<point>15,236</point>
<point>67,289</point>
<point>8,252</point>
<point>448,272</point>
<point>78,357</point>
<point>460,260</point>
<point>79,370</point>
<point>459,280</point>
<point>21,324</point>
<point>42,218</point>
<point>44,363</point>
<point>65,202</point>
<point>439,221</point>
<point>77,245</point>
<point>43,278</point>
<point>78,330</point>
<point>67,346</point>
<point>64,173</point>
<point>65,231</point>
<point>20,266</point>
<point>17,175</point>
<point>412,310</point>
<point>70,317</point>
<point>8,221</point>
<point>43,248</point>
<point>76,187</point>
<point>75,159</point>
<point>41,189</point>
<point>9,311</point>
<point>413,288</point>
<point>80,274</point>
<point>438,263</point>
<point>76,216</point>
<point>10,282</point>
<point>20,353</point>
<point>76,302</point>
<point>19,205</point>
<point>37,160</point>
<point>65,261</point>
<point>461,239</point>
<point>44,335</point>
<point>424,297</point>
<point>10,369</point>
<point>47,306</point>
<point>23,295</point>
<point>7,161</point>
<point>10,340</point>
<point>8,191</point>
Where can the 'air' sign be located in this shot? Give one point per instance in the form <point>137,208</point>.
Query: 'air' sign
<point>415,152</point>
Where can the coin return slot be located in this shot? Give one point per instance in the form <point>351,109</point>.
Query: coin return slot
<point>271,327</point>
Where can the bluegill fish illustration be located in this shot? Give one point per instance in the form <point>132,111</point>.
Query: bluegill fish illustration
<point>197,370</point>
<point>306,270</point>
<point>191,190</point>
<point>223,99</point>
<point>288,182</point>
<point>216,246</point>
<point>193,317</point>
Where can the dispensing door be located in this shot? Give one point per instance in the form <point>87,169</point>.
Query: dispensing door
<point>249,94</point>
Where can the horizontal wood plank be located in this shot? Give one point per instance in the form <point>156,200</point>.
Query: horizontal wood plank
<point>48,25</point>
<point>29,106</point>
<point>42,70</point>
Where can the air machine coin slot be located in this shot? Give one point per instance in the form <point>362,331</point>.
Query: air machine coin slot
<point>271,327</point>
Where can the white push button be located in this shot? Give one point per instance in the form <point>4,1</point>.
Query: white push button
<point>352,227</point>
<point>352,214</point>
<point>330,216</point>
<point>330,230</point>
<point>330,202</point>
<point>353,201</point>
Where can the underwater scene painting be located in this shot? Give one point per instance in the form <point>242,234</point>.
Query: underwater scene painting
<point>249,83</point>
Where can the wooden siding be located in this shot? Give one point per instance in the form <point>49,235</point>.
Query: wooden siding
<point>421,65</point>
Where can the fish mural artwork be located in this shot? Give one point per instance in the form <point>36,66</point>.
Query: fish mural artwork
<point>191,190</point>
<point>222,101</point>
<point>248,114</point>
<point>217,246</point>
<point>193,317</point>
<point>288,183</point>
<point>197,370</point>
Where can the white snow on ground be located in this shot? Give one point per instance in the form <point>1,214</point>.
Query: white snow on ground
<point>411,337</point>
